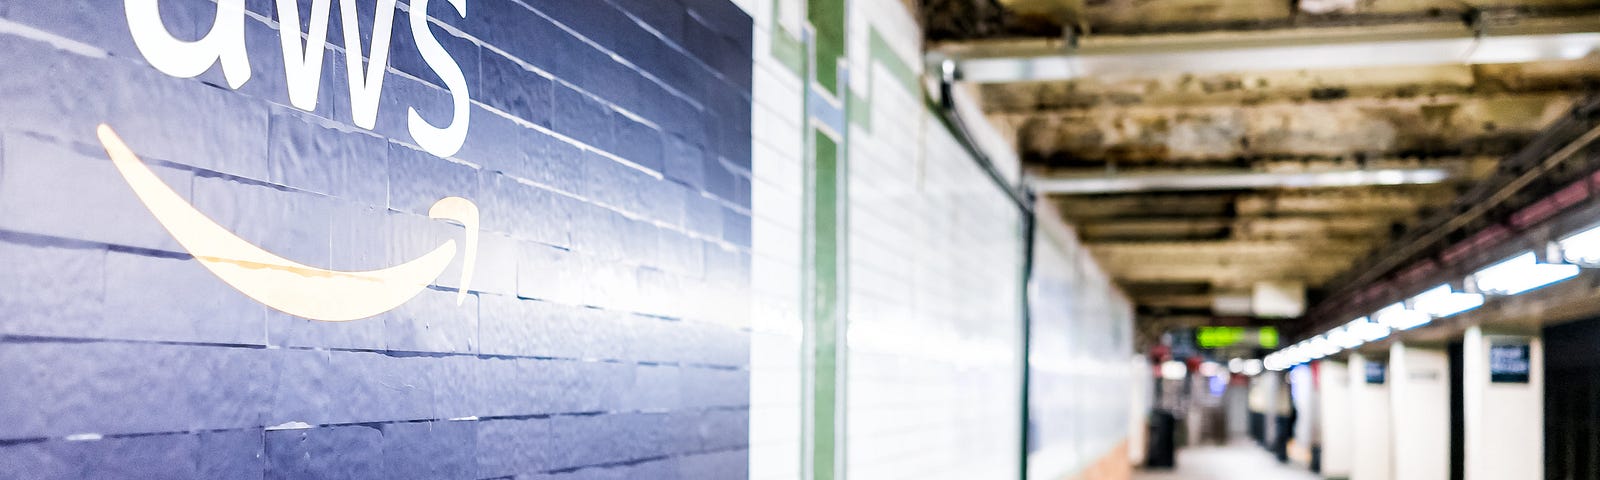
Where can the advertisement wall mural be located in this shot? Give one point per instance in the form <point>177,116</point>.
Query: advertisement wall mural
<point>344,239</point>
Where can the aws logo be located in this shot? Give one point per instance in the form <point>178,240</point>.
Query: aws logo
<point>303,60</point>
<point>283,284</point>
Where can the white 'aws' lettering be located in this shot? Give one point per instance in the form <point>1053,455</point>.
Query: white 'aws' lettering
<point>303,60</point>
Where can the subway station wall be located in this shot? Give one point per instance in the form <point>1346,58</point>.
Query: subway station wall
<point>183,189</point>
<point>1082,339</point>
<point>208,274</point>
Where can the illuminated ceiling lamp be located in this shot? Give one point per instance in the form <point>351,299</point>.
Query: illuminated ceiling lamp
<point>1523,272</point>
<point>1301,353</point>
<point>1582,248</point>
<point>1174,370</point>
<point>1252,367</point>
<point>1343,338</point>
<point>1398,317</point>
<point>1441,301</point>
<point>1322,346</point>
<point>1366,330</point>
<point>1273,361</point>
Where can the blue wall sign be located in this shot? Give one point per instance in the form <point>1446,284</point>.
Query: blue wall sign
<point>1376,371</point>
<point>1509,362</point>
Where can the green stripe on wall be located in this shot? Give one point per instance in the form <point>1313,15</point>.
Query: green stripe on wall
<point>827,18</point>
<point>860,109</point>
<point>786,47</point>
<point>825,324</point>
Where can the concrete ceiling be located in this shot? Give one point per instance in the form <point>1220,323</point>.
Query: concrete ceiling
<point>1175,252</point>
<point>958,20</point>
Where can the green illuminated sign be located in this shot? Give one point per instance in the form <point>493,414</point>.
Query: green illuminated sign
<point>1220,337</point>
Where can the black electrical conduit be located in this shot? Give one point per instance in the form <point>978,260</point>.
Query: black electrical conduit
<point>1024,201</point>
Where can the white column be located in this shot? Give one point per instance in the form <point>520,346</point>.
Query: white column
<point>1419,381</point>
<point>1369,417</point>
<point>1303,394</point>
<point>1337,425</point>
<point>1504,422</point>
<point>1267,384</point>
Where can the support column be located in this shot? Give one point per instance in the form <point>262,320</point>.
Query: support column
<point>1264,403</point>
<point>1369,417</point>
<point>1420,398</point>
<point>1338,428</point>
<point>1503,384</point>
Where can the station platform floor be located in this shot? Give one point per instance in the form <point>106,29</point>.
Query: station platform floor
<point>1235,461</point>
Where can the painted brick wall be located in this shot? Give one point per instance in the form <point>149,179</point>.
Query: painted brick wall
<point>606,334</point>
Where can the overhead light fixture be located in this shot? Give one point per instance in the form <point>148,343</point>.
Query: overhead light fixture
<point>1398,317</point>
<point>1441,301</point>
<point>1289,356</point>
<point>1522,273</point>
<point>1517,49</point>
<point>1344,338</point>
<point>1252,367</point>
<point>1366,330</point>
<point>1279,361</point>
<point>1303,352</point>
<point>1275,362</point>
<point>1313,352</point>
<point>1322,346</point>
<point>1529,39</point>
<point>1582,248</point>
<point>1174,370</point>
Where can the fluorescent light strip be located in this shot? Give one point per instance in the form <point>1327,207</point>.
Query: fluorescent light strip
<point>1582,248</point>
<point>1398,317</point>
<point>1441,301</point>
<point>1520,274</point>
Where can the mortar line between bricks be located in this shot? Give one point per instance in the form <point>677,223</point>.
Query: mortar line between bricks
<point>458,33</point>
<point>265,428</point>
<point>726,203</point>
<point>51,241</point>
<point>641,461</point>
<point>475,40</point>
<point>25,339</point>
<point>723,203</point>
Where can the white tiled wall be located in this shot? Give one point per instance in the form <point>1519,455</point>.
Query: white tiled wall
<point>1082,340</point>
<point>933,374</point>
<point>932,379</point>
<point>777,196</point>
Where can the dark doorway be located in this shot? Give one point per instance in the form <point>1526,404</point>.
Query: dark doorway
<point>1572,401</point>
<point>1458,408</point>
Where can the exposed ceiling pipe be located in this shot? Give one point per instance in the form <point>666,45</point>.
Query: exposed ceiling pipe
<point>1188,181</point>
<point>1484,42</point>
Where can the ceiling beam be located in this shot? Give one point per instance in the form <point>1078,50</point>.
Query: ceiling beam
<point>1339,228</point>
<point>1238,180</point>
<point>1193,301</point>
<point>1393,203</point>
<point>1349,130</point>
<point>1121,257</point>
<point>1235,275</point>
<point>1522,40</point>
<point>1255,88</point>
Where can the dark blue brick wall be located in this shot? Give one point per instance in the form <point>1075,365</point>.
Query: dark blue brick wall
<point>603,338</point>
